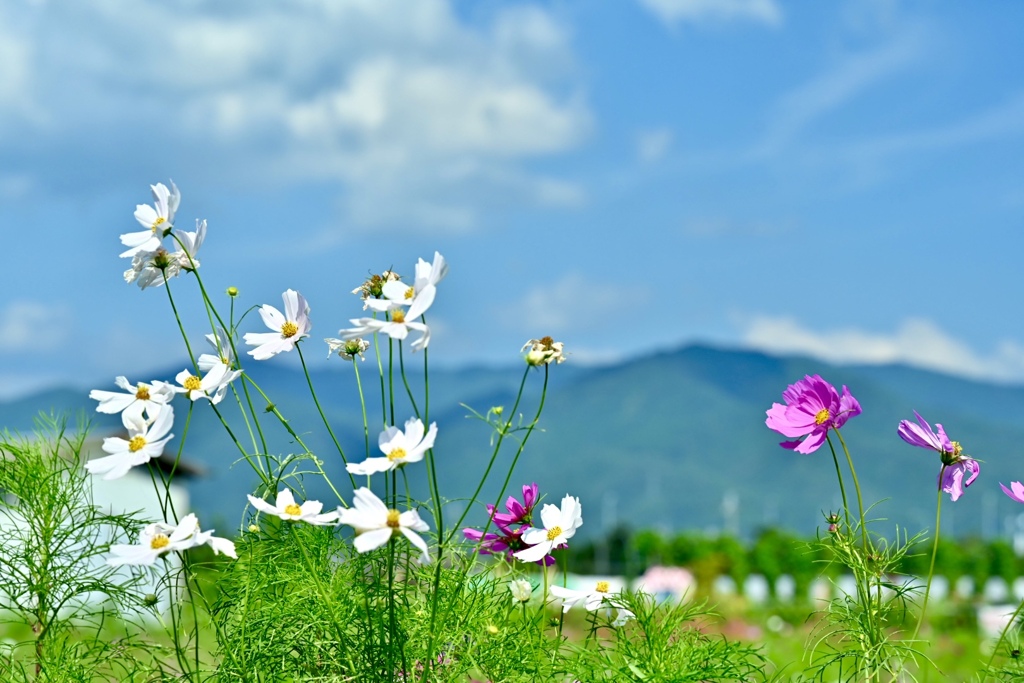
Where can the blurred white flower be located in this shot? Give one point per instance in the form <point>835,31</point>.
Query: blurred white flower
<point>521,590</point>
<point>543,351</point>
<point>398,447</point>
<point>152,268</point>
<point>157,219</point>
<point>560,525</point>
<point>375,524</point>
<point>190,243</point>
<point>347,349</point>
<point>288,328</point>
<point>146,441</point>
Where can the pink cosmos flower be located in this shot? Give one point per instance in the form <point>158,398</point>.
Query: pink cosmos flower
<point>955,463</point>
<point>1016,491</point>
<point>813,406</point>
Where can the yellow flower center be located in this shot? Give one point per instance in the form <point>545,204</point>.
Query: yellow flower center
<point>137,443</point>
<point>160,220</point>
<point>393,516</point>
<point>398,316</point>
<point>193,383</point>
<point>602,587</point>
<point>957,449</point>
<point>289,329</point>
<point>159,541</point>
<point>554,532</point>
<point>409,293</point>
<point>292,509</point>
<point>822,416</point>
<point>397,454</point>
<point>142,392</point>
<point>224,360</point>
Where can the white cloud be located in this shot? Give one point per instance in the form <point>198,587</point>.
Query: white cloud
<point>32,326</point>
<point>570,303</point>
<point>673,11</point>
<point>918,342</point>
<point>419,114</point>
<point>652,145</point>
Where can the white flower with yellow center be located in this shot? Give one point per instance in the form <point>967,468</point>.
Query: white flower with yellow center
<point>139,400</point>
<point>398,447</point>
<point>591,599</point>
<point>560,525</point>
<point>287,509</point>
<point>288,328</point>
<point>223,355</point>
<point>157,219</point>
<point>211,386</point>
<point>544,351</point>
<point>397,327</point>
<point>144,442</point>
<point>159,538</point>
<point>375,524</point>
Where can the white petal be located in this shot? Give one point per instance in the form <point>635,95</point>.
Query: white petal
<point>370,540</point>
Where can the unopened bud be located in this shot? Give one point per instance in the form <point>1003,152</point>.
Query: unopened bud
<point>253,528</point>
<point>232,291</point>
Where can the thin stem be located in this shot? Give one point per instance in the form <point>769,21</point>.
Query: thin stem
<point>323,417</point>
<point>1002,636</point>
<point>935,552</point>
<point>362,404</point>
<point>856,486</point>
<point>839,476</point>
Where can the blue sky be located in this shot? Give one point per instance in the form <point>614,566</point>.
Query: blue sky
<point>844,179</point>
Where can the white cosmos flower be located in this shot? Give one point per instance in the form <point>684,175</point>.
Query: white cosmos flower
<point>190,243</point>
<point>223,355</point>
<point>560,525</point>
<point>157,219</point>
<point>421,293</point>
<point>347,349</point>
<point>398,447</point>
<point>159,538</point>
<point>286,508</point>
<point>211,386</point>
<point>375,524</point>
<point>599,596</point>
<point>288,328</point>
<point>397,327</point>
<point>521,590</point>
<point>144,443</point>
<point>152,268</point>
<point>140,399</point>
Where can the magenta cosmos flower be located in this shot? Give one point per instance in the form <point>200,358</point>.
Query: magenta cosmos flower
<point>955,463</point>
<point>813,406</point>
<point>510,525</point>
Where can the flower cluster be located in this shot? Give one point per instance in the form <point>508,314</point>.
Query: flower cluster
<point>515,535</point>
<point>152,264</point>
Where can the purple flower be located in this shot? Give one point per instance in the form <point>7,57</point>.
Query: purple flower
<point>1016,491</point>
<point>954,463</point>
<point>518,513</point>
<point>813,406</point>
<point>509,538</point>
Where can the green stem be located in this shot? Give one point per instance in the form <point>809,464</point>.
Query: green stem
<point>362,403</point>
<point>1002,636</point>
<point>860,499</point>
<point>935,552</point>
<point>839,475</point>
<point>323,417</point>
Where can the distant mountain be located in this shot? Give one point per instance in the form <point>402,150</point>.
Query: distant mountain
<point>672,440</point>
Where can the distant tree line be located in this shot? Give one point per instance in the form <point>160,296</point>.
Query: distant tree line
<point>773,553</point>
